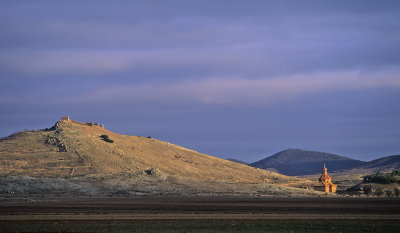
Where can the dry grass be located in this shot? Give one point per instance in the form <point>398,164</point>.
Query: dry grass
<point>87,153</point>
<point>73,159</point>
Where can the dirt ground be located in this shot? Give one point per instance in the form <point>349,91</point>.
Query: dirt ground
<point>201,208</point>
<point>200,213</point>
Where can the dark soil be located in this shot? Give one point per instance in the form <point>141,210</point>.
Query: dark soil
<point>208,214</point>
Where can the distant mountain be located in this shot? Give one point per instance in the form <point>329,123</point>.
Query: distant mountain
<point>385,164</point>
<point>238,161</point>
<point>296,162</point>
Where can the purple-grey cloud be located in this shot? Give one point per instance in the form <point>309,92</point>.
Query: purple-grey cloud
<point>237,77</point>
<point>36,63</point>
<point>234,91</point>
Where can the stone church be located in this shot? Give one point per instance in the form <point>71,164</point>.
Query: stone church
<point>325,182</point>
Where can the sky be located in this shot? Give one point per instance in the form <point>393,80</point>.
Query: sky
<point>233,79</point>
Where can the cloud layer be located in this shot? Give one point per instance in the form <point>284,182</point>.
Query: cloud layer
<point>244,78</point>
<point>240,91</point>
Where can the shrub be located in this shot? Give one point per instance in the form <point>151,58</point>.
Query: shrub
<point>397,192</point>
<point>50,129</point>
<point>396,172</point>
<point>379,192</point>
<point>367,190</point>
<point>368,179</point>
<point>388,193</point>
<point>106,138</point>
<point>381,179</point>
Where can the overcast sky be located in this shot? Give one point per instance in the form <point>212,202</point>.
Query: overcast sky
<point>234,79</point>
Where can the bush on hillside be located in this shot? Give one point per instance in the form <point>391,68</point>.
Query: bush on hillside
<point>382,178</point>
<point>397,192</point>
<point>396,172</point>
<point>106,138</point>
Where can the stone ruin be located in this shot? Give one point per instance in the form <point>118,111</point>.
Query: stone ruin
<point>65,118</point>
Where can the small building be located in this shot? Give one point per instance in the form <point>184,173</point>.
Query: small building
<point>325,183</point>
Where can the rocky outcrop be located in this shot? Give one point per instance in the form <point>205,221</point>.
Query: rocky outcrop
<point>58,143</point>
<point>156,173</point>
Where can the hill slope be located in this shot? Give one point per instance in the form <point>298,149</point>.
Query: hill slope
<point>76,159</point>
<point>296,162</point>
<point>71,148</point>
<point>384,164</point>
<point>388,163</point>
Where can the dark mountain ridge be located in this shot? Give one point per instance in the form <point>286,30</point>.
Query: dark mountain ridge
<point>384,164</point>
<point>296,162</point>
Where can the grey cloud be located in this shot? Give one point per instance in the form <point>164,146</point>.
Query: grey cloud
<point>263,38</point>
<point>274,73</point>
<point>239,91</point>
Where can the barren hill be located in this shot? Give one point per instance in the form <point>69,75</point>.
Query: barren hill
<point>296,162</point>
<point>84,159</point>
<point>71,148</point>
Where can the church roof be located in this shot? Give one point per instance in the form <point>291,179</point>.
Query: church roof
<point>325,177</point>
